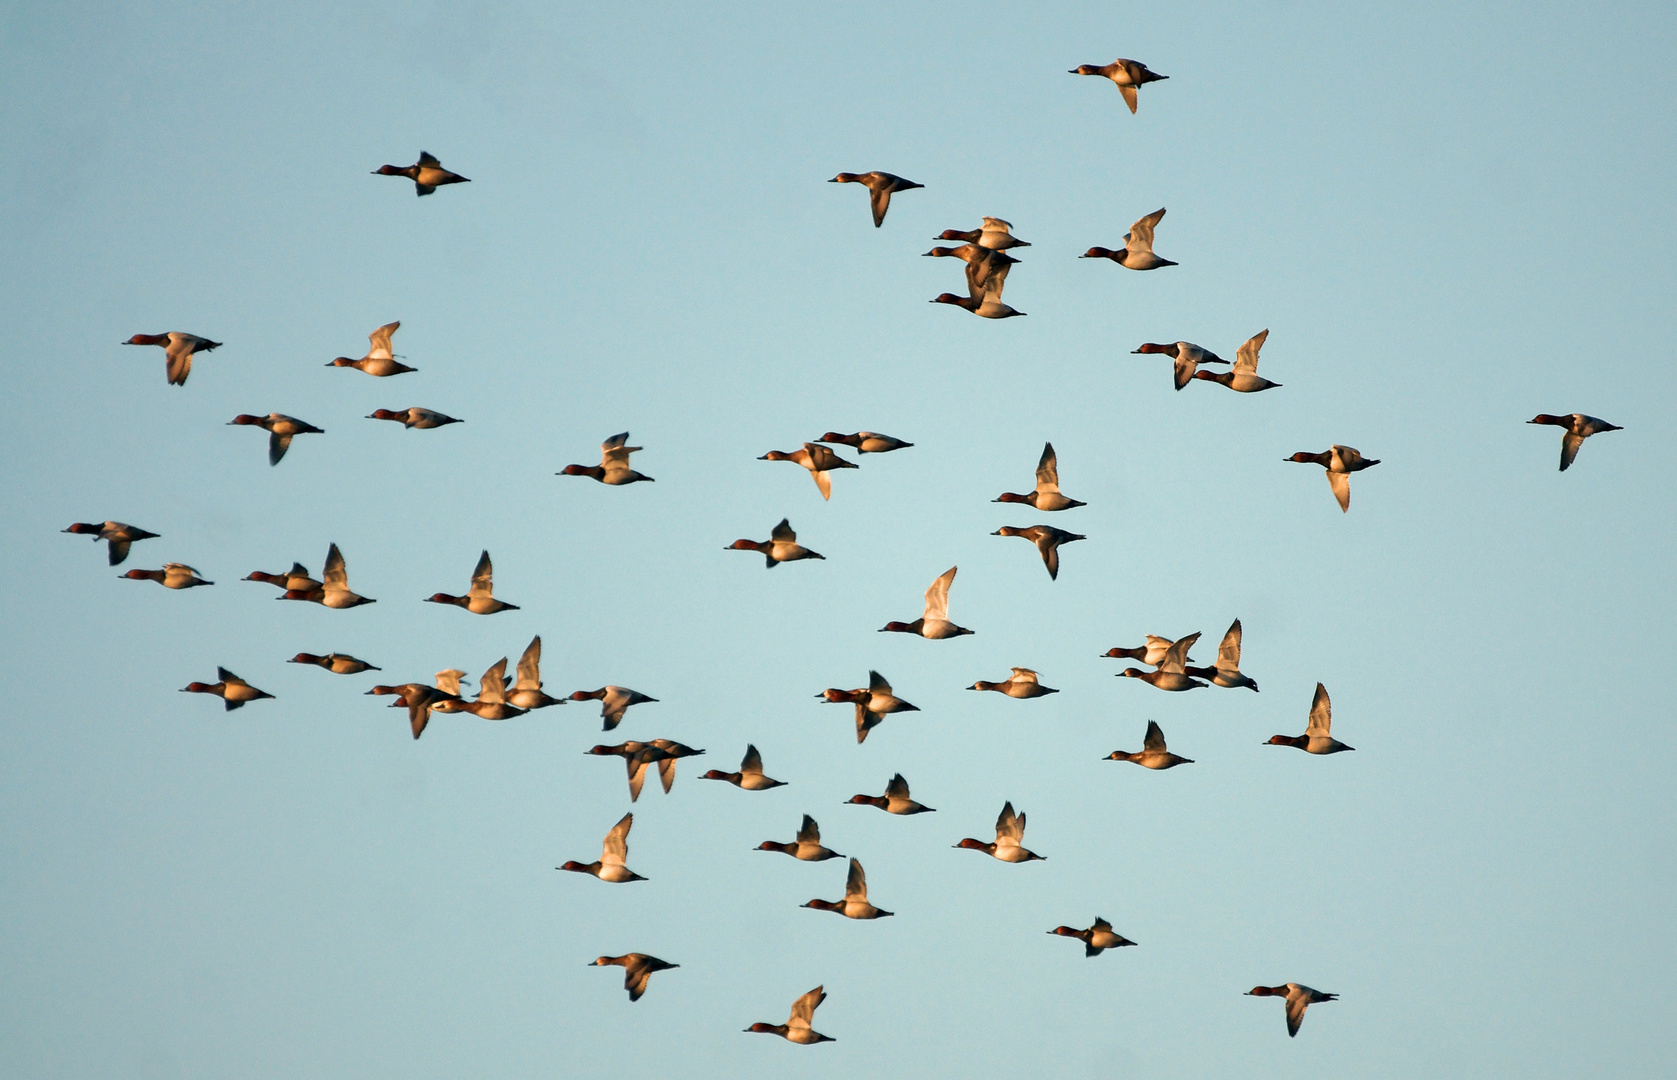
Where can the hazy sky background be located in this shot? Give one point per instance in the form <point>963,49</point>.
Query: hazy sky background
<point>1450,220</point>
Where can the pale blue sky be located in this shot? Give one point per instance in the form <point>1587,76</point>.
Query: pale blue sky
<point>1449,220</point>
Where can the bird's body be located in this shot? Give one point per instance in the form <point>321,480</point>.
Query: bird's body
<point>1010,837</point>
<point>117,536</point>
<point>819,460</point>
<point>797,1027</point>
<point>380,361</point>
<point>1154,754</point>
<point>1298,996</point>
<point>1227,672</point>
<point>613,854</point>
<point>334,591</point>
<point>637,970</point>
<point>855,903</point>
<point>614,702</point>
<point>415,417</point>
<point>1186,358</point>
<point>280,428</point>
<point>480,598</point>
<point>782,546</point>
<point>1047,540</point>
<point>1578,428</point>
<point>526,692</point>
<point>1097,939</point>
<point>1127,75</point>
<point>1340,462</point>
<point>1137,252</point>
<point>934,621</point>
<point>881,186</point>
<point>174,575</point>
<point>1318,735</point>
<point>873,703</point>
<point>896,799</point>
<point>1243,378</point>
<point>232,690</point>
<point>806,848</point>
<point>750,777</point>
<point>1172,670</point>
<point>1022,684</point>
<point>1046,495</point>
<point>178,349</point>
<point>427,174</point>
<point>336,663</point>
<point>613,468</point>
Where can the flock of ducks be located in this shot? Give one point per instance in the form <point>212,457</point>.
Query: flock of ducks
<point>1166,664</point>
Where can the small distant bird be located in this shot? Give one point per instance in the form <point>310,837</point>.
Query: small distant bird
<point>614,701</point>
<point>526,692</point>
<point>987,268</point>
<point>1317,737</point>
<point>1047,494</point>
<point>418,699</point>
<point>480,598</point>
<point>427,174</point>
<point>636,757</point>
<point>177,351</point>
<point>295,578</point>
<point>1151,654</point>
<point>117,536</point>
<point>1578,428</point>
<point>1244,378</point>
<point>614,852</point>
<point>336,663</point>
<point>1137,253</point>
<point>866,442</point>
<point>881,185</point>
<point>782,546</point>
<point>637,970</point>
<point>334,592</point>
<point>1299,998</point>
<point>1010,835</point>
<point>1047,540</point>
<point>806,848</point>
<point>423,419</point>
<point>379,361</point>
<point>895,800</point>
<point>174,575</point>
<point>1023,684</point>
<point>797,1027</point>
<point>750,777</point>
<point>855,903</point>
<point>1187,357</point>
<point>1154,754</point>
<point>994,234</point>
<point>1127,75</point>
<point>613,468</point>
<point>1172,671</point>
<point>1341,462</point>
<point>819,460</point>
<point>491,702</point>
<point>873,703</point>
<point>232,690</point>
<point>280,428</point>
<point>987,306</point>
<point>1097,939</point>
<point>1227,672</point>
<point>934,623</point>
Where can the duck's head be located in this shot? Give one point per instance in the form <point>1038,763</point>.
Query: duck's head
<point>245,419</point>
<point>1546,418</point>
<point>845,178</point>
<point>197,688</point>
<point>147,339</point>
<point>1098,253</point>
<point>1305,457</point>
<point>974,845</point>
<point>745,545</point>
